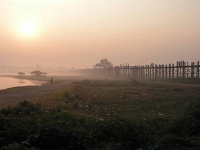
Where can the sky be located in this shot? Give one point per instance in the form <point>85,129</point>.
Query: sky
<point>78,33</point>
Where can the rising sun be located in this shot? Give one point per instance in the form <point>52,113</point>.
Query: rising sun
<point>27,28</point>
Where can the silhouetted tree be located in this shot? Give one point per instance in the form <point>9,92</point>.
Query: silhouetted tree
<point>104,63</point>
<point>38,73</point>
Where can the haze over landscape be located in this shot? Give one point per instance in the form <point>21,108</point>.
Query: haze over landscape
<point>73,33</point>
<point>61,86</point>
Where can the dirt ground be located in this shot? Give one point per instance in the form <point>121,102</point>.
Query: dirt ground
<point>12,96</point>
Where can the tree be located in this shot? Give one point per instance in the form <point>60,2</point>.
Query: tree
<point>38,73</point>
<point>21,73</point>
<point>104,63</point>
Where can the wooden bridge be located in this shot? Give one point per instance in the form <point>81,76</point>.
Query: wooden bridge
<point>182,70</point>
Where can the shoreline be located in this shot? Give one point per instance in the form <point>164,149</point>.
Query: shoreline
<point>11,96</point>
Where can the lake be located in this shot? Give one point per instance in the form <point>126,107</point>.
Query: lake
<point>8,82</point>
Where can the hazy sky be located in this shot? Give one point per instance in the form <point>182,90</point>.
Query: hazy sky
<point>78,33</point>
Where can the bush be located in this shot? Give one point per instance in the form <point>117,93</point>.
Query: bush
<point>28,126</point>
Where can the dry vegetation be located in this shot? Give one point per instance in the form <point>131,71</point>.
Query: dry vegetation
<point>106,99</point>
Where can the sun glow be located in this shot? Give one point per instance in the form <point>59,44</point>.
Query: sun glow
<point>27,28</point>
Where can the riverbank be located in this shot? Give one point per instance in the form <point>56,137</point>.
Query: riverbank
<point>14,95</point>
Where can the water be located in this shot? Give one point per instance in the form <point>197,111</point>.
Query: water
<point>8,82</point>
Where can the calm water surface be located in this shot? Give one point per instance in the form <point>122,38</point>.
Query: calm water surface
<point>8,82</point>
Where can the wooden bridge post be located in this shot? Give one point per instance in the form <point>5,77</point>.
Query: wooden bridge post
<point>131,72</point>
<point>122,70</point>
<point>125,73</point>
<point>172,71</point>
<point>128,71</point>
<point>139,73</point>
<point>192,70</point>
<point>136,72</point>
<point>197,73</point>
<point>142,72</point>
<point>177,70</point>
<point>181,66</point>
<point>169,71</point>
<point>162,72</point>
<point>183,72</point>
<point>153,73</point>
<point>148,72</point>
<point>198,69</point>
<point>156,73</point>
<point>188,70</point>
<point>180,70</point>
<point>122,73</point>
<point>166,72</point>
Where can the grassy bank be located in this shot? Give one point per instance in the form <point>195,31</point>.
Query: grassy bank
<point>105,114</point>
